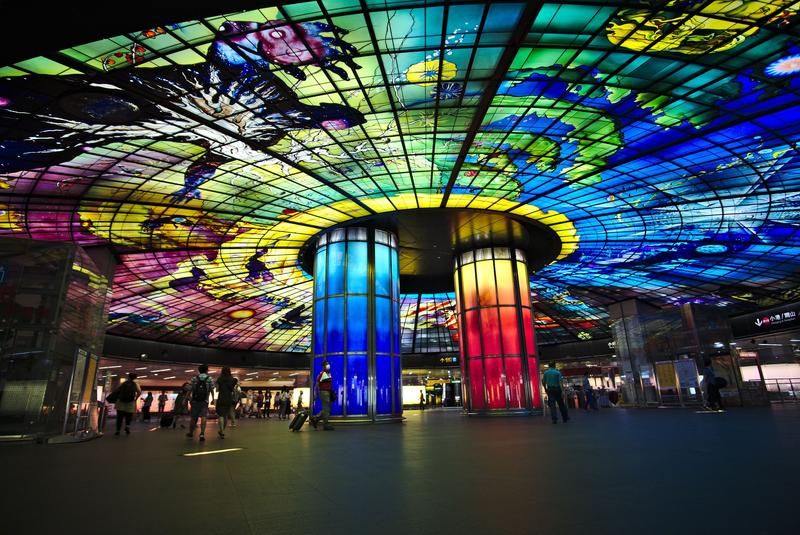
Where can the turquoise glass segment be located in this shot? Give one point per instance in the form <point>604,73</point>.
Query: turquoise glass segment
<point>335,323</point>
<point>383,325</point>
<point>319,327</point>
<point>320,272</point>
<point>336,265</point>
<point>357,267</point>
<point>383,271</point>
<point>357,325</point>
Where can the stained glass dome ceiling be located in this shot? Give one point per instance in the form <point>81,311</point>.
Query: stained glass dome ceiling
<point>657,139</point>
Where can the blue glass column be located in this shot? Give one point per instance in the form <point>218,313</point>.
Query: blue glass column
<point>356,322</point>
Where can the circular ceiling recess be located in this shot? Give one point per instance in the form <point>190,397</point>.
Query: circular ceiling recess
<point>643,149</point>
<point>429,239</point>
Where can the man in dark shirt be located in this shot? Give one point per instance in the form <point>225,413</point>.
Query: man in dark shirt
<point>202,389</point>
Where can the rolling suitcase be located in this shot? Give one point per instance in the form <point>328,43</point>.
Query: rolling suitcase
<point>166,420</point>
<point>298,420</point>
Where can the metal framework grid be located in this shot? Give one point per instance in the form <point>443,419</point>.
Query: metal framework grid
<point>661,137</point>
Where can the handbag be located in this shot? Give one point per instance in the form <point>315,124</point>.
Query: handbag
<point>333,395</point>
<point>113,396</point>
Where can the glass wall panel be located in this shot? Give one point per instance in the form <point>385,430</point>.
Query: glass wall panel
<point>383,384</point>
<point>516,385</point>
<point>357,266</point>
<point>335,323</point>
<point>357,327</point>
<point>476,393</point>
<point>496,330</point>
<point>495,382</point>
<point>356,317</point>
<point>357,384</point>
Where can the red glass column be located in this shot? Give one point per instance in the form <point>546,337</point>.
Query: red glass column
<point>495,321</point>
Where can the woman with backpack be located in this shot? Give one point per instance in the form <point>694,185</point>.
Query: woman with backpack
<point>225,386</point>
<point>124,400</point>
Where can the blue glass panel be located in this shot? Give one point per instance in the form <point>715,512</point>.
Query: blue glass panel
<point>319,327</point>
<point>395,276</point>
<point>382,271</point>
<point>337,374</point>
<point>319,272</point>
<point>335,324</point>
<point>316,367</point>
<point>336,268</point>
<point>383,383</point>
<point>398,385</point>
<point>357,329</point>
<point>357,384</point>
<point>383,318</point>
<point>357,264</point>
<point>396,326</point>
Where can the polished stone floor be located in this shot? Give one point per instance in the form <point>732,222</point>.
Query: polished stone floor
<point>617,471</point>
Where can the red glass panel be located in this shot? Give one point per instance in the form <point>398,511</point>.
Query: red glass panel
<point>473,333</point>
<point>495,383</point>
<point>490,331</point>
<point>527,324</point>
<point>476,384</point>
<point>533,371</point>
<point>510,326</point>
<point>516,382</point>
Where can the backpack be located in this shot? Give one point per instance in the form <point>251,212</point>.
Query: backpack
<point>200,390</point>
<point>127,392</point>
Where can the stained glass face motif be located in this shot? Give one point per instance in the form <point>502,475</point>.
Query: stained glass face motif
<point>658,140</point>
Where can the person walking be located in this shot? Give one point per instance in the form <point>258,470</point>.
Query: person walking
<point>124,400</point>
<point>225,386</point>
<point>259,399</point>
<point>711,387</point>
<point>277,405</point>
<point>162,402</point>
<point>180,407</point>
<point>551,380</point>
<point>237,402</point>
<point>421,400</point>
<point>591,402</point>
<point>323,389</point>
<point>300,402</point>
<point>284,404</point>
<point>268,404</point>
<point>202,389</point>
<point>146,404</point>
